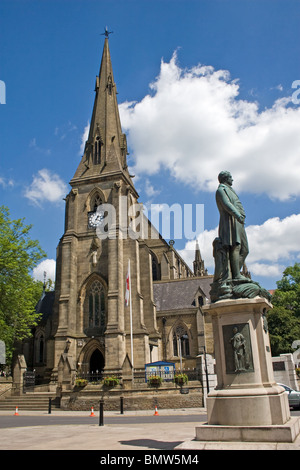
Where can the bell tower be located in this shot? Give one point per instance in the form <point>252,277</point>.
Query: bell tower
<point>90,320</point>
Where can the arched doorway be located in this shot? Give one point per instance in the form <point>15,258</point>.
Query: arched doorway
<point>96,362</point>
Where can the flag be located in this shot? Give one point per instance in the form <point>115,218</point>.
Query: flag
<point>127,288</point>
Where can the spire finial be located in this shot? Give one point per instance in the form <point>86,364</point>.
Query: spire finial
<point>106,32</point>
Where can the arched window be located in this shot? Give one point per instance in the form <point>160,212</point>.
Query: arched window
<point>97,306</point>
<point>181,344</point>
<point>39,348</point>
<point>97,151</point>
<point>96,201</point>
<point>155,268</point>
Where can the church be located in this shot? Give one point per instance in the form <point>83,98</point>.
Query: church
<point>86,324</point>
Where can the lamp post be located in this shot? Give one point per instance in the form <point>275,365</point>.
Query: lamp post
<point>180,335</point>
<point>205,368</point>
<point>206,371</point>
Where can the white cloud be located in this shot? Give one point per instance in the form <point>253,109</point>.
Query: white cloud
<point>275,239</point>
<point>194,124</point>
<point>33,144</point>
<point>267,270</point>
<point>84,138</point>
<point>273,245</point>
<point>62,131</point>
<point>46,186</point>
<point>150,190</point>
<point>4,182</point>
<point>46,266</point>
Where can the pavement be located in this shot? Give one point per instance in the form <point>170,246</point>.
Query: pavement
<point>137,436</point>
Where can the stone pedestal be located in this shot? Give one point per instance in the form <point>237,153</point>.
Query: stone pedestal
<point>19,369</point>
<point>246,396</point>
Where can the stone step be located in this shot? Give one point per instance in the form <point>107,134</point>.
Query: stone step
<point>28,402</point>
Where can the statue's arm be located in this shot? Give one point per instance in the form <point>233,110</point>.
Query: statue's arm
<point>225,203</point>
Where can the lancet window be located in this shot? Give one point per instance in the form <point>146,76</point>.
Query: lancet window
<point>97,305</point>
<point>181,344</point>
<point>97,151</point>
<point>97,201</point>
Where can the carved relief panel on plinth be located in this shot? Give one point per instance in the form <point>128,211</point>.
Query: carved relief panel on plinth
<point>237,347</point>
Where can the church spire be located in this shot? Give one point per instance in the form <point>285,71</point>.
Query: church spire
<point>106,147</point>
<point>198,264</point>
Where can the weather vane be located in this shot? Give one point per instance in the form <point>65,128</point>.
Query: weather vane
<point>106,32</point>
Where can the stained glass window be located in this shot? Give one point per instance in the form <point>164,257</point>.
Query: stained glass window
<point>97,305</point>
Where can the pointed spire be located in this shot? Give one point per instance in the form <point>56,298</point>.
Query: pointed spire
<point>198,264</point>
<point>106,146</point>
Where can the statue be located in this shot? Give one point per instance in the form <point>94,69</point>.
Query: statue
<point>230,248</point>
<point>238,343</point>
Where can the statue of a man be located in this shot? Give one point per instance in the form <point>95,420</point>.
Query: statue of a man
<point>232,232</point>
<point>238,343</point>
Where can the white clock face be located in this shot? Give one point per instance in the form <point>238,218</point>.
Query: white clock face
<point>96,218</point>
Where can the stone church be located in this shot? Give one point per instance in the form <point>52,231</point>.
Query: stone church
<point>86,325</point>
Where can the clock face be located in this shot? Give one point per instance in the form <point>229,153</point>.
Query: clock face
<point>95,218</point>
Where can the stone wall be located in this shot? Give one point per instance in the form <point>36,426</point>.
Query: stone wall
<point>5,385</point>
<point>284,370</point>
<point>165,397</point>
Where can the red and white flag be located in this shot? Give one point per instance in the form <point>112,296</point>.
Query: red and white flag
<point>127,288</point>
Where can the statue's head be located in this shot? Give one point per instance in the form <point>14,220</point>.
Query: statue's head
<point>225,177</point>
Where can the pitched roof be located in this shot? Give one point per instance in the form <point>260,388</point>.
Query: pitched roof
<point>45,306</point>
<point>180,293</point>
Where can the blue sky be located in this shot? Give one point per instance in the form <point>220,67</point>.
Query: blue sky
<point>203,86</point>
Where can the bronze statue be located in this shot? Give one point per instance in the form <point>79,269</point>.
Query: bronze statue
<point>230,249</point>
<point>231,227</point>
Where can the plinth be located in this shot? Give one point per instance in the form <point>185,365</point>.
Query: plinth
<point>247,402</point>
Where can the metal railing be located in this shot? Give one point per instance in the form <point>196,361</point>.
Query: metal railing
<point>91,376</point>
<point>192,374</point>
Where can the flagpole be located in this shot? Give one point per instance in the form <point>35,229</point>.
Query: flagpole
<point>130,306</point>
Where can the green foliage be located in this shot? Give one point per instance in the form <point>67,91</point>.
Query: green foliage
<point>181,379</point>
<point>287,294</point>
<point>284,318</point>
<point>154,380</point>
<point>19,292</point>
<point>111,381</point>
<point>80,382</point>
<point>284,328</point>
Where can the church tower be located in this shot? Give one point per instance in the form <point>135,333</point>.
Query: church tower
<point>91,327</point>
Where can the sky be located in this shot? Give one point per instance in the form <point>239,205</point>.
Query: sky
<point>203,86</point>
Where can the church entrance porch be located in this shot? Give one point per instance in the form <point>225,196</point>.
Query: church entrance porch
<point>96,362</point>
<point>91,362</point>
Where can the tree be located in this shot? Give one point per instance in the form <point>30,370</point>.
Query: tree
<point>287,294</point>
<point>284,318</point>
<point>19,292</point>
<point>284,328</point>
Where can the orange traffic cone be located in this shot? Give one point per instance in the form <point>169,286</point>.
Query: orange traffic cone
<point>16,412</point>
<point>92,412</point>
<point>156,412</point>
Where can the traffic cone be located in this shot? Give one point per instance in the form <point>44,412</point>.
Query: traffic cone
<point>92,412</point>
<point>156,412</point>
<point>16,412</point>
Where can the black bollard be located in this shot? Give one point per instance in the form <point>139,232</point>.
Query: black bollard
<point>49,407</point>
<point>121,405</point>
<point>101,423</point>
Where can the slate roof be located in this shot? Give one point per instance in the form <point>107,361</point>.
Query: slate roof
<point>179,294</point>
<point>45,306</point>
